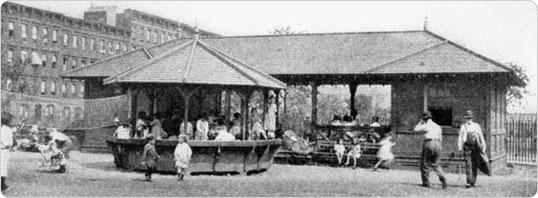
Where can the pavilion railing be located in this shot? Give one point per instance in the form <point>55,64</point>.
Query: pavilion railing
<point>521,138</point>
<point>383,120</point>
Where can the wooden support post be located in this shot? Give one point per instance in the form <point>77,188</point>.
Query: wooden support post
<point>133,97</point>
<point>245,99</point>
<point>155,101</point>
<point>425,95</point>
<point>186,93</point>
<point>228,104</point>
<point>352,91</point>
<point>265,98</point>
<point>285,95</point>
<point>151,97</point>
<point>277,102</point>
<point>314,99</point>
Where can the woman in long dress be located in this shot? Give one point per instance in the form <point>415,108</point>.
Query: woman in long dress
<point>385,151</point>
<point>6,141</point>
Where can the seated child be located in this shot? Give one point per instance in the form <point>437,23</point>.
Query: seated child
<point>182,156</point>
<point>355,152</point>
<point>339,150</point>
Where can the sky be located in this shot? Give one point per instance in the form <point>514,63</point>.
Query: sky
<point>503,31</point>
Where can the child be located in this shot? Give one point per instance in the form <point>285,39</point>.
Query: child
<point>355,152</point>
<point>182,156</point>
<point>384,154</point>
<point>339,149</point>
<point>150,156</point>
<point>156,126</point>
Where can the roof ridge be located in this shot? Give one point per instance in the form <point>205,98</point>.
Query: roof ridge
<point>102,61</point>
<point>317,34</point>
<point>189,61</point>
<point>141,65</point>
<point>229,63</point>
<point>406,56</point>
<point>245,64</point>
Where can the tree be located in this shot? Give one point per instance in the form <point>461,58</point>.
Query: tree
<point>284,30</point>
<point>516,93</point>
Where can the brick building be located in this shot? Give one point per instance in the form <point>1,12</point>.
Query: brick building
<point>38,45</point>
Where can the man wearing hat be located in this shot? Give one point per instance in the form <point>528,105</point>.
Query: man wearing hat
<point>471,140</point>
<point>431,149</point>
<point>123,131</point>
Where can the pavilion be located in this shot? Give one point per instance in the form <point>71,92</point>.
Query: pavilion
<point>425,71</point>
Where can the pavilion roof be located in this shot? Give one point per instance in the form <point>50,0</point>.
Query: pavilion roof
<point>359,53</point>
<point>195,62</point>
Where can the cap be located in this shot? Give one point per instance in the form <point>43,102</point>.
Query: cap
<point>468,114</point>
<point>427,114</point>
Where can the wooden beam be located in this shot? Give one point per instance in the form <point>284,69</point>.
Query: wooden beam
<point>314,99</point>
<point>133,97</point>
<point>277,101</point>
<point>352,91</point>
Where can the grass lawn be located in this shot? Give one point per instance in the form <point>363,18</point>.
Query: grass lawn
<point>95,175</point>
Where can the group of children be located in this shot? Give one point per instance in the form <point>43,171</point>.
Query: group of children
<point>182,156</point>
<point>384,154</point>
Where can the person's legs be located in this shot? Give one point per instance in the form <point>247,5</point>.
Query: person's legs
<point>475,154</point>
<point>339,158</point>
<point>348,156</point>
<point>4,185</point>
<point>467,153</point>
<point>436,158</point>
<point>354,162</point>
<point>424,170</point>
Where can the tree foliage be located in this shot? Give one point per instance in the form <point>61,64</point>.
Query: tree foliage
<point>284,30</point>
<point>516,93</point>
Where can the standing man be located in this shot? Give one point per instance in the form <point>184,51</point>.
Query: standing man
<point>431,149</point>
<point>471,140</point>
<point>6,141</point>
<point>270,118</point>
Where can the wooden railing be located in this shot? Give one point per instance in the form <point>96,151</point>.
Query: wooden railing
<point>521,138</point>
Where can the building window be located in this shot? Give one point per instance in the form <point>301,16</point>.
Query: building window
<point>43,87</point>
<point>53,88</point>
<point>82,90</point>
<point>65,61</point>
<point>73,63</point>
<point>53,62</point>
<point>24,56</point>
<point>11,29</point>
<point>167,37</point>
<point>64,85</point>
<point>102,46</point>
<point>155,39</point>
<point>75,44</point>
<point>83,63</point>
<point>50,111</point>
<point>92,43</point>
<point>44,60</point>
<point>10,56</point>
<point>23,31</point>
<point>83,43</point>
<point>66,39</point>
<point>161,35</point>
<point>35,58</point>
<point>37,112</point>
<point>34,32</point>
<point>124,47</point>
<point>148,36</point>
<point>441,115</point>
<point>117,48</point>
<point>109,47</point>
<point>8,84</point>
<point>54,36</point>
<point>141,34</point>
<point>45,35</point>
<point>73,89</point>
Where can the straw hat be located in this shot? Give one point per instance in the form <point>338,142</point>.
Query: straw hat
<point>468,114</point>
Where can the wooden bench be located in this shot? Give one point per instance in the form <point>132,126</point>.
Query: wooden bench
<point>324,152</point>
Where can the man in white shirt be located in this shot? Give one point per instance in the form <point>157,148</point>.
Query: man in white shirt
<point>123,131</point>
<point>6,141</point>
<point>431,149</point>
<point>471,141</point>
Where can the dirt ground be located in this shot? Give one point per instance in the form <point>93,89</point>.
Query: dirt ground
<point>95,175</point>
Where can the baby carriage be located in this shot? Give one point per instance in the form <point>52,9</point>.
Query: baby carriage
<point>51,156</point>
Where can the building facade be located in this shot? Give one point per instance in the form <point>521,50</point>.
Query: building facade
<point>39,45</point>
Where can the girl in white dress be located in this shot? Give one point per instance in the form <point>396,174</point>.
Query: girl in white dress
<point>355,153</point>
<point>385,151</point>
<point>182,156</point>
<point>339,150</point>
